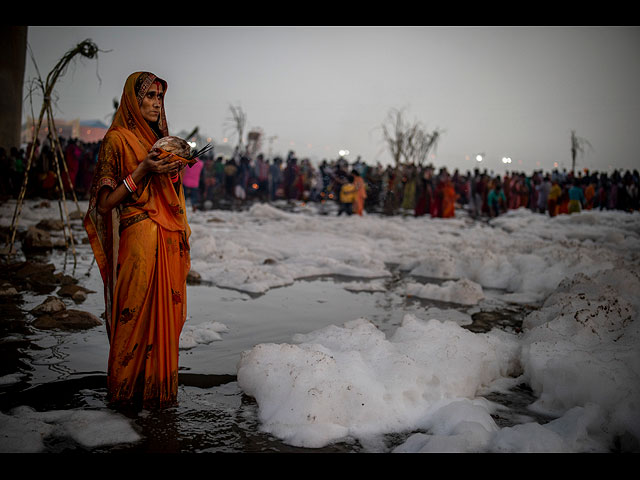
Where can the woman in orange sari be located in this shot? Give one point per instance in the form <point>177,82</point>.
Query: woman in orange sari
<point>361,193</point>
<point>449,197</point>
<point>139,234</point>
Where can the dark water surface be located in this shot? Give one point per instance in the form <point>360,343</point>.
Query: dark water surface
<point>67,370</point>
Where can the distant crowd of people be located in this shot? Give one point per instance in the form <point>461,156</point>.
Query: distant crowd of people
<point>43,180</point>
<point>357,187</point>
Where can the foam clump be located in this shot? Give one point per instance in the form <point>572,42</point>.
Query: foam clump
<point>24,430</point>
<point>201,334</point>
<point>351,380</point>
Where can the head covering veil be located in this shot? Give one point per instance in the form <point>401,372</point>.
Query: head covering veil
<point>128,115</point>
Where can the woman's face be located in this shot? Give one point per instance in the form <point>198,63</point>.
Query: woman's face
<point>152,103</point>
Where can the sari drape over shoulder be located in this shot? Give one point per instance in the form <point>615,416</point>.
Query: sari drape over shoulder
<point>142,250</point>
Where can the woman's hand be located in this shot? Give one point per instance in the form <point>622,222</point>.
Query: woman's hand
<point>153,164</point>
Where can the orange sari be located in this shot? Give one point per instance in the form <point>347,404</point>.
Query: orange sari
<point>361,195</point>
<point>142,250</point>
<point>449,197</point>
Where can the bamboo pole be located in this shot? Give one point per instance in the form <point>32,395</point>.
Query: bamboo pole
<point>23,189</point>
<point>62,157</point>
<point>87,49</point>
<point>57,160</point>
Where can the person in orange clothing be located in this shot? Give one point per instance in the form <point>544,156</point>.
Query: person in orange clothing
<point>449,197</point>
<point>138,230</point>
<point>589,194</point>
<point>361,193</point>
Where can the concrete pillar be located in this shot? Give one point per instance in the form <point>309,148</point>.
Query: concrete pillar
<point>13,45</point>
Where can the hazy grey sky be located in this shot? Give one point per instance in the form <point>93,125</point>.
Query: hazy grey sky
<point>504,91</point>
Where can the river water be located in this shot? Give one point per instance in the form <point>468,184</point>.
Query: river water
<point>67,369</point>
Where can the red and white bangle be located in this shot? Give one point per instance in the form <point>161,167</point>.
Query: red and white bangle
<point>175,178</point>
<point>129,184</point>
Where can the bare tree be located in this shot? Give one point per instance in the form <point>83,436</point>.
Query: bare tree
<point>237,123</point>
<point>408,141</point>
<point>412,136</point>
<point>577,146</point>
<point>395,132</point>
<point>254,141</point>
<point>423,143</point>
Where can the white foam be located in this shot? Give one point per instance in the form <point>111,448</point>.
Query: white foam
<point>461,291</point>
<point>352,380</point>
<point>578,352</point>
<point>201,334</point>
<point>24,430</point>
